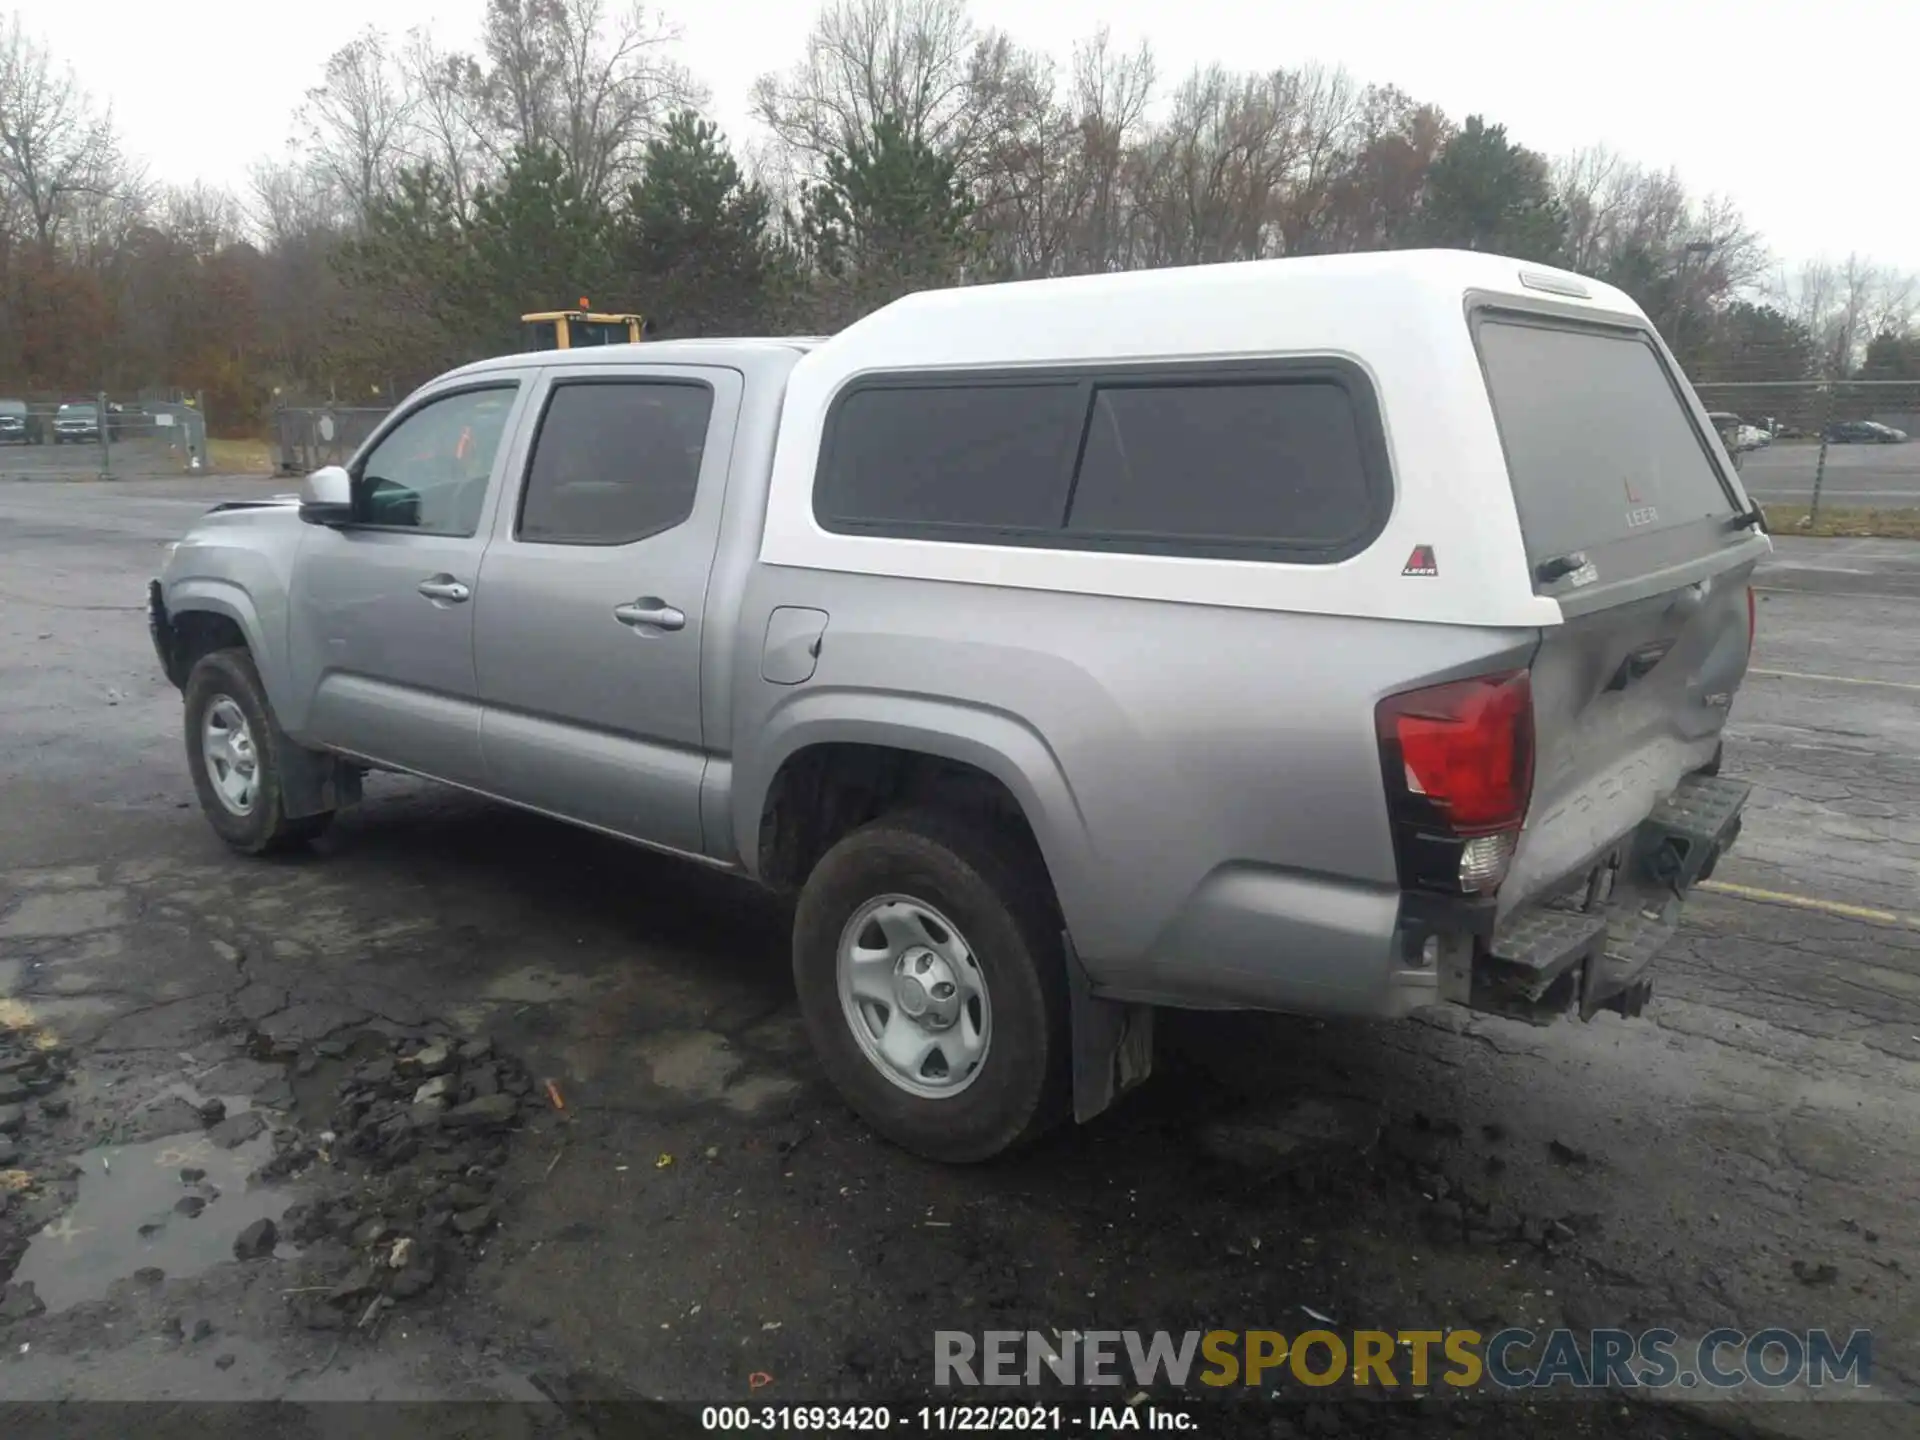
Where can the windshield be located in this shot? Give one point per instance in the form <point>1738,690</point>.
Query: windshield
<point>77,412</point>
<point>598,332</point>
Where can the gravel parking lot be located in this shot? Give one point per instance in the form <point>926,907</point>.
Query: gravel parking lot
<point>687,1213</point>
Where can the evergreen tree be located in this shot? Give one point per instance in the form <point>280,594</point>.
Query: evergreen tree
<point>540,241</point>
<point>1486,193</point>
<point>695,242</point>
<point>409,274</point>
<point>890,216</point>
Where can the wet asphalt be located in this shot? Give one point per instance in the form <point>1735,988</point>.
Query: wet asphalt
<point>697,1219</point>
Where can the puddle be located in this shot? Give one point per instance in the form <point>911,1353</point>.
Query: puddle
<point>125,1190</point>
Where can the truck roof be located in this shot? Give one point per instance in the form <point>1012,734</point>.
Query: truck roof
<point>664,352</point>
<point>1255,306</point>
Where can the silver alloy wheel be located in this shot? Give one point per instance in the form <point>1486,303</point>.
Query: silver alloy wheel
<point>226,744</point>
<point>914,996</point>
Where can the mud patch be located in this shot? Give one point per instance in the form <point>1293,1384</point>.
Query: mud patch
<point>534,986</point>
<point>703,1066</point>
<point>695,1063</point>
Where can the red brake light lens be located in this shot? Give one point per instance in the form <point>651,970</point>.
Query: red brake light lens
<point>1753,618</point>
<point>1457,760</point>
<point>1466,748</point>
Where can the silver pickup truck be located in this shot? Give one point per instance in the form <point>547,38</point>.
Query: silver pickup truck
<point>1338,636</point>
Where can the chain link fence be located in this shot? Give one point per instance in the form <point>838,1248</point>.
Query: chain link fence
<point>101,437</point>
<point>306,438</point>
<point>1822,446</point>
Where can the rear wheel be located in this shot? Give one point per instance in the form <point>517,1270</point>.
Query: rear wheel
<point>233,752</point>
<point>928,959</point>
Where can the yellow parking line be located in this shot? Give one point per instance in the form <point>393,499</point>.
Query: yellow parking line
<point>1809,902</point>
<point>1834,679</point>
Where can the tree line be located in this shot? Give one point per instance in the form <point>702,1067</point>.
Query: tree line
<point>431,195</point>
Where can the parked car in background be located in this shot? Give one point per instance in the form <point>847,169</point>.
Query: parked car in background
<point>1736,434</point>
<point>1863,432</point>
<point>14,429</point>
<point>966,626</point>
<point>78,422</point>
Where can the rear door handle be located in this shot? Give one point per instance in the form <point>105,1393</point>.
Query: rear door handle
<point>650,613</point>
<point>444,587</point>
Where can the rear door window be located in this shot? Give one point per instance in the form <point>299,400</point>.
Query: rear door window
<point>1601,449</point>
<point>615,461</point>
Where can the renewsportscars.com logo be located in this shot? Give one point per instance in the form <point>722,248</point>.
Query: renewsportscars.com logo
<point>1513,1359</point>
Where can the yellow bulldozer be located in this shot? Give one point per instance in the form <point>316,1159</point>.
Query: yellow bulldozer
<point>573,329</point>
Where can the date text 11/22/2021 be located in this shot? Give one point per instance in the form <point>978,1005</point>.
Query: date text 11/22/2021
<point>945,1419</point>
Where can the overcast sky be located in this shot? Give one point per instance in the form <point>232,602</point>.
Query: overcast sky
<point>1801,110</point>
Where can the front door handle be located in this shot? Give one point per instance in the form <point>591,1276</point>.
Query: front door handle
<point>444,587</point>
<point>650,612</point>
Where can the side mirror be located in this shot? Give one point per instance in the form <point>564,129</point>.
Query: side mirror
<point>326,497</point>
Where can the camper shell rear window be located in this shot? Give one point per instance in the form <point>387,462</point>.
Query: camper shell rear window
<point>1606,459</point>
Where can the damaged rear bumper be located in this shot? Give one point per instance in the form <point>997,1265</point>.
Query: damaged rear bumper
<point>1590,946</point>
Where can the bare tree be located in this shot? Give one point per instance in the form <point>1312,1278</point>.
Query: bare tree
<point>359,121</point>
<point>1326,111</point>
<point>201,217</point>
<point>289,200</point>
<point>1590,186</point>
<point>1373,194</point>
<point>55,148</point>
<point>1211,183</point>
<point>1021,158</point>
<point>1111,93</point>
<point>1614,207</point>
<point>592,84</point>
<point>910,60</point>
<point>1845,305</point>
<point>449,92</point>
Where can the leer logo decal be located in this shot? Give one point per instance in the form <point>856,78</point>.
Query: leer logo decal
<point>1421,562</point>
<point>1640,515</point>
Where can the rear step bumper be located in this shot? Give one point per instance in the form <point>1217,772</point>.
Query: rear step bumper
<point>1590,947</point>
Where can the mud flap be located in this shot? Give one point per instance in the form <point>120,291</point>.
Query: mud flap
<point>311,781</point>
<point>1112,1042</point>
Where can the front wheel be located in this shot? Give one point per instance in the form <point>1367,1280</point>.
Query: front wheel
<point>233,751</point>
<point>928,959</point>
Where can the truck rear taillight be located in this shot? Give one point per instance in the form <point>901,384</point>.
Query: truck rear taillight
<point>1753,619</point>
<point>1457,760</point>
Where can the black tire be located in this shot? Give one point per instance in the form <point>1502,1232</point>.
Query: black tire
<point>995,891</point>
<point>265,827</point>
